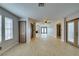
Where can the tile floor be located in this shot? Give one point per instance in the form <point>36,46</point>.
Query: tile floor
<point>40,47</point>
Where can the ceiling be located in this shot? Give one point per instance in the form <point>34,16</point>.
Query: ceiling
<point>51,10</point>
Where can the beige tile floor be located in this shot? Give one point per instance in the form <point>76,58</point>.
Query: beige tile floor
<point>40,47</point>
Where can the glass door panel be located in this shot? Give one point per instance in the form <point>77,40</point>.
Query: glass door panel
<point>71,32</point>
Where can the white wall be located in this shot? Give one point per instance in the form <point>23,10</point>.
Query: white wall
<point>9,43</point>
<point>28,26</point>
<point>59,21</point>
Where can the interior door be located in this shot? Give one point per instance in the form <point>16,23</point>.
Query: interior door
<point>22,31</point>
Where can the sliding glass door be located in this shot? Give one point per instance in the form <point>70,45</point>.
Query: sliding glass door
<point>73,32</point>
<point>70,32</point>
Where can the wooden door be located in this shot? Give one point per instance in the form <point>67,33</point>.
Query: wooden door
<point>22,31</point>
<point>58,30</point>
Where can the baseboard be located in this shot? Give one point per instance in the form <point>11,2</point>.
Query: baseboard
<point>3,51</point>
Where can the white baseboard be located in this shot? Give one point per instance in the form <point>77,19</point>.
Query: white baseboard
<point>4,50</point>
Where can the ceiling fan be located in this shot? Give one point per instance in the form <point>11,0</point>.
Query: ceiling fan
<point>46,20</point>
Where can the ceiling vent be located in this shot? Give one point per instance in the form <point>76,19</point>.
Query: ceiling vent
<point>41,4</point>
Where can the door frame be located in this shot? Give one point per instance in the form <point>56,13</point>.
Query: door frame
<point>75,29</point>
<point>19,30</point>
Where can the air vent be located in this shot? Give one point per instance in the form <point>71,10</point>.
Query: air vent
<point>41,4</point>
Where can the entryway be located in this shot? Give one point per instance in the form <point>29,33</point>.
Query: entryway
<point>58,26</point>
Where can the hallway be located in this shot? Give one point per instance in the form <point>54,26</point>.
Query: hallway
<point>39,47</point>
<point>27,29</point>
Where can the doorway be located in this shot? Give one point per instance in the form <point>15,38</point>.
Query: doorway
<point>22,31</point>
<point>33,29</point>
<point>58,30</point>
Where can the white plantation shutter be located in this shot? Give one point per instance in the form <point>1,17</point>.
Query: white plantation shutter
<point>8,28</point>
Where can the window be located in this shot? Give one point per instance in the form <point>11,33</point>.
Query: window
<point>43,30</point>
<point>8,28</point>
<point>0,28</point>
